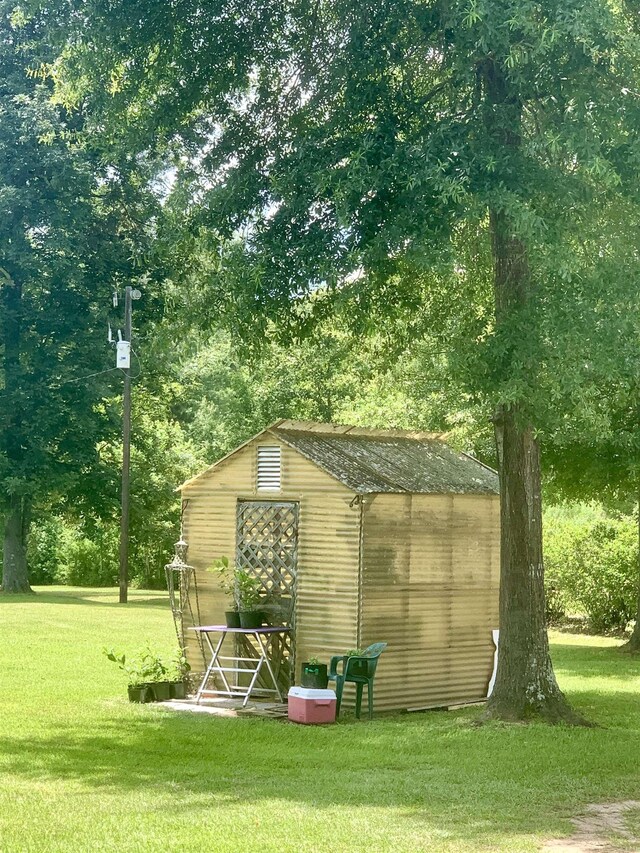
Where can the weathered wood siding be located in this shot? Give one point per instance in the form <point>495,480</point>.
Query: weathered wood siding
<point>430,577</point>
<point>328,545</point>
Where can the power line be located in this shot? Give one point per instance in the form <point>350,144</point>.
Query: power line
<point>139,360</point>
<point>82,378</point>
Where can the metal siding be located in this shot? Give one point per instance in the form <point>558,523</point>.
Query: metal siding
<point>430,589</point>
<point>328,546</point>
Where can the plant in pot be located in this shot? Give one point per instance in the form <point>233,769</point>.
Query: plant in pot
<point>247,590</point>
<point>156,673</point>
<point>227,578</point>
<point>314,674</point>
<point>160,680</point>
<point>176,670</point>
<point>139,687</point>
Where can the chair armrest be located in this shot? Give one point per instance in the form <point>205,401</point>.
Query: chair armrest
<point>347,662</point>
<point>333,665</point>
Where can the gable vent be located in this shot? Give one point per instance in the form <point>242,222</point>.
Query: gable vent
<point>269,469</point>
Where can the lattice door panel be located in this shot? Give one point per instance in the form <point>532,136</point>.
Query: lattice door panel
<point>267,548</point>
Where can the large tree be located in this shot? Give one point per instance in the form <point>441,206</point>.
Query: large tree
<point>68,233</point>
<point>346,149</point>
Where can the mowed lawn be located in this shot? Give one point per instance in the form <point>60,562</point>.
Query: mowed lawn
<point>82,769</point>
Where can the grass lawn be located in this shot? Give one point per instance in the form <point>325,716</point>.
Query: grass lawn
<point>81,769</point>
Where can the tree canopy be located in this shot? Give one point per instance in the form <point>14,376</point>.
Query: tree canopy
<point>441,160</point>
<point>70,234</point>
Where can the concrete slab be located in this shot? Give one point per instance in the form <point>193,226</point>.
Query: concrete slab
<point>226,707</point>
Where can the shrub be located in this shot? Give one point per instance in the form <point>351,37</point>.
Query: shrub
<point>44,550</point>
<point>592,568</point>
<point>90,562</point>
<point>86,553</point>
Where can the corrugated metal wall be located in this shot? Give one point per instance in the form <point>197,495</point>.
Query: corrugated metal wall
<point>429,575</point>
<point>328,546</point>
<point>430,578</point>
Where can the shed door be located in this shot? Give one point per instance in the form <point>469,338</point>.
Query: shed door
<point>267,548</point>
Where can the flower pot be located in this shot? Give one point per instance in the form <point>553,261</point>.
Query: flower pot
<point>233,619</point>
<point>178,690</point>
<point>140,693</point>
<point>314,675</point>
<point>250,618</point>
<point>162,690</point>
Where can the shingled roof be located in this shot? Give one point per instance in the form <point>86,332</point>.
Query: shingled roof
<point>369,461</point>
<point>372,460</point>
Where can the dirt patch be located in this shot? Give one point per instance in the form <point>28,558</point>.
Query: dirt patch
<point>600,829</point>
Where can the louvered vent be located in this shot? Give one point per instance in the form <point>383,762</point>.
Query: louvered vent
<point>269,469</point>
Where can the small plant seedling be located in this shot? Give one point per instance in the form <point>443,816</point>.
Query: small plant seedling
<point>238,584</point>
<point>145,666</point>
<point>177,666</point>
<point>247,590</point>
<point>226,575</point>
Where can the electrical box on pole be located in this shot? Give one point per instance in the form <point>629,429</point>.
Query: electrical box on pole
<point>123,355</point>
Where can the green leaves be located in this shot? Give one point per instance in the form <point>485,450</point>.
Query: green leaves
<point>341,159</point>
<point>147,666</point>
<point>226,576</point>
<point>73,226</point>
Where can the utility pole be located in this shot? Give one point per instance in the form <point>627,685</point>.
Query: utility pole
<point>126,456</point>
<point>124,362</point>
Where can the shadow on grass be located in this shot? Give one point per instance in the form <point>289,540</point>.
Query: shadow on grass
<point>435,768</point>
<point>432,769</point>
<point>91,597</point>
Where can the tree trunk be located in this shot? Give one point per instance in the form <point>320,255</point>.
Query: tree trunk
<point>525,684</point>
<point>633,646</point>
<point>15,577</point>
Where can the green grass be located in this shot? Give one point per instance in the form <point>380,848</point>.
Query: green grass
<point>632,825</point>
<point>81,769</point>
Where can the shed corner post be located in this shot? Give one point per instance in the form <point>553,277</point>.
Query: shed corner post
<point>361,544</point>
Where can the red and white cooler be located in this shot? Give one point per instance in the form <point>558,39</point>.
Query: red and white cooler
<point>312,707</point>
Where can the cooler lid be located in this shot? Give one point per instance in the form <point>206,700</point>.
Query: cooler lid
<point>311,693</point>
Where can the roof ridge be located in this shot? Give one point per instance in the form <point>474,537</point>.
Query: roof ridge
<point>326,428</point>
<point>368,461</point>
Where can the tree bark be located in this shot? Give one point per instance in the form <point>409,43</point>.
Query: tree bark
<point>633,645</point>
<point>15,575</point>
<point>525,684</point>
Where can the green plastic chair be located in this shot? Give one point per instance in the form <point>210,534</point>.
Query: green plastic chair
<point>359,670</point>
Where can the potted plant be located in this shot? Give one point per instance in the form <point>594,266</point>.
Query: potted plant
<point>159,675</point>
<point>147,674</point>
<point>139,687</point>
<point>247,591</point>
<point>226,576</point>
<point>314,674</point>
<point>177,669</point>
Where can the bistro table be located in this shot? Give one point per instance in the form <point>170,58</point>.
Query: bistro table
<point>263,637</point>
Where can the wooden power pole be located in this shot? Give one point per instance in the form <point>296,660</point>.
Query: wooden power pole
<point>126,455</point>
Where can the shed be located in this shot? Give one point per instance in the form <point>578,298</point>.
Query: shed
<point>366,535</point>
